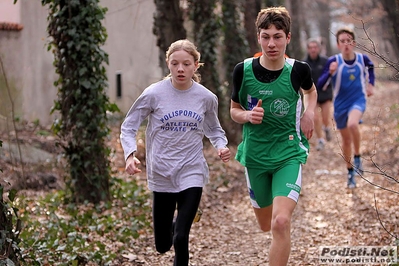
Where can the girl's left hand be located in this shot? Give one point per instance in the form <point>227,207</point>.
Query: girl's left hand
<point>224,154</point>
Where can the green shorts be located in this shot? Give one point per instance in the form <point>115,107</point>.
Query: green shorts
<point>264,185</point>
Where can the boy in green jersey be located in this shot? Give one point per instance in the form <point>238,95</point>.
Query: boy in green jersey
<point>277,123</point>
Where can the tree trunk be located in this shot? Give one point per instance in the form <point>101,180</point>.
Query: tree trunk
<point>77,36</point>
<point>235,51</point>
<point>294,48</point>
<point>168,27</point>
<point>392,9</point>
<point>206,34</point>
<point>270,3</point>
<point>251,9</point>
<point>324,21</point>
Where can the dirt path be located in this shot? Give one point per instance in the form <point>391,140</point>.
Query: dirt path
<point>327,214</point>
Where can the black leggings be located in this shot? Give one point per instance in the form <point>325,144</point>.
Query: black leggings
<point>164,205</point>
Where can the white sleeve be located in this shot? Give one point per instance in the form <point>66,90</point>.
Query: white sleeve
<point>212,128</point>
<point>139,111</point>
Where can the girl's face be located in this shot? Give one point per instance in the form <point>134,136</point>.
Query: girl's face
<point>345,44</point>
<point>182,68</point>
<point>273,42</point>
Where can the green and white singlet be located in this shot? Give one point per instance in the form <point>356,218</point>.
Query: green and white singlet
<point>279,138</point>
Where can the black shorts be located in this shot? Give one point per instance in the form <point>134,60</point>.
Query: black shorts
<point>324,96</point>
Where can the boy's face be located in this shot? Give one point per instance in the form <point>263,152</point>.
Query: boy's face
<point>345,43</point>
<point>273,42</point>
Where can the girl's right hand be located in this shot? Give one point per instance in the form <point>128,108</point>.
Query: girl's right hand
<point>132,164</point>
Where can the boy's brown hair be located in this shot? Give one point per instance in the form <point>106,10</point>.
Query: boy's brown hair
<point>277,16</point>
<point>345,30</point>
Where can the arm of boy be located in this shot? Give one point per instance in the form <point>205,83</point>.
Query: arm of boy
<point>370,90</point>
<point>307,120</point>
<point>241,116</point>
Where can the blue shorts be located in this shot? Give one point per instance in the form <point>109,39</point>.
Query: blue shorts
<point>341,116</point>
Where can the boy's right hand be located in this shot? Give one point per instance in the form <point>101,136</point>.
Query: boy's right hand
<point>333,68</point>
<point>255,116</point>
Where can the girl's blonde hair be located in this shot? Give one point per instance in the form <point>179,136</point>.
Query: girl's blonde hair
<point>190,48</point>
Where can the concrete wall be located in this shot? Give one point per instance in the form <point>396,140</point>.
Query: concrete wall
<point>10,76</point>
<point>131,47</point>
<point>38,91</point>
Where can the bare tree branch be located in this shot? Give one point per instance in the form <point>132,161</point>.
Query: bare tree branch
<point>373,50</point>
<point>379,219</point>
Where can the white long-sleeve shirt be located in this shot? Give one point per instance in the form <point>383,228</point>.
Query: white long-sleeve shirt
<point>177,122</point>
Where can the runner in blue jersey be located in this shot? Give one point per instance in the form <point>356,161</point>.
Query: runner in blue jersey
<point>352,75</point>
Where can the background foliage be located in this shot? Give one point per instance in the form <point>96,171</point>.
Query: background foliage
<point>10,227</point>
<point>77,36</point>
<point>77,234</point>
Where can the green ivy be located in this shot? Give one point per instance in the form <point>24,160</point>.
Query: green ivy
<point>236,46</point>
<point>10,228</point>
<point>206,36</point>
<point>77,234</point>
<point>76,38</point>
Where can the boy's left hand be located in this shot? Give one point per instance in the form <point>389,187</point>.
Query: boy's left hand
<point>307,124</point>
<point>370,90</point>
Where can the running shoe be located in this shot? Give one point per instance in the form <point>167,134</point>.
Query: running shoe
<point>328,133</point>
<point>320,145</point>
<point>358,165</point>
<point>351,179</point>
<point>198,215</point>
